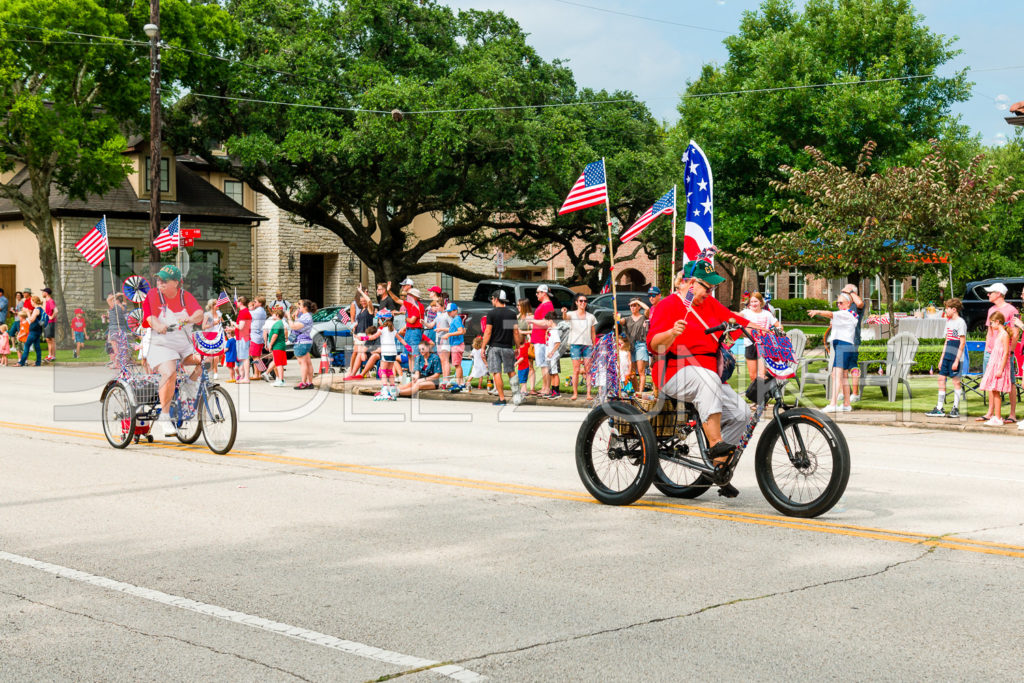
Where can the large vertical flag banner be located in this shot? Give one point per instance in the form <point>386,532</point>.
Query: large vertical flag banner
<point>699,187</point>
<point>590,190</point>
<point>93,246</point>
<point>665,206</point>
<point>169,237</point>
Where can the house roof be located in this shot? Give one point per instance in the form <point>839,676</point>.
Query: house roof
<point>197,200</point>
<point>1018,110</point>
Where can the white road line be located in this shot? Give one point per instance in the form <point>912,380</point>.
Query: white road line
<point>322,639</point>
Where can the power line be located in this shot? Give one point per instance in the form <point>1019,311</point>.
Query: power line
<point>637,16</point>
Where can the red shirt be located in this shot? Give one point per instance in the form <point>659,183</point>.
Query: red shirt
<point>413,308</point>
<point>244,323</point>
<point>151,306</point>
<point>523,357</point>
<point>696,347</point>
<point>78,324</point>
<point>28,305</point>
<point>539,334</point>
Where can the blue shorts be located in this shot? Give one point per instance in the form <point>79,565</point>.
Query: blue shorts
<point>844,355</point>
<point>580,351</point>
<point>524,375</point>
<point>413,337</point>
<point>946,365</point>
<point>79,337</point>
<point>299,350</point>
<point>640,352</point>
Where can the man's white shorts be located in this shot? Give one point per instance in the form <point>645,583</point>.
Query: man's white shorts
<point>704,389</point>
<point>540,356</point>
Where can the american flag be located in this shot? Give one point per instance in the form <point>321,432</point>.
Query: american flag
<point>94,245</point>
<point>222,299</point>
<point>343,316</point>
<point>590,190</point>
<point>688,297</point>
<point>699,187</point>
<point>259,365</point>
<point>664,206</point>
<point>607,285</point>
<point>169,237</point>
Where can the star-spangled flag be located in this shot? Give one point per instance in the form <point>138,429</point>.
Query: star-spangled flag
<point>344,317</point>
<point>664,206</point>
<point>259,365</point>
<point>169,237</point>
<point>699,187</point>
<point>590,190</point>
<point>607,285</point>
<point>93,246</point>
<point>222,299</point>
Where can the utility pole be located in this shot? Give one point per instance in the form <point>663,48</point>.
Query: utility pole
<point>152,30</point>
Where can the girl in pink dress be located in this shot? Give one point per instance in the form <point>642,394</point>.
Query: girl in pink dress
<point>5,345</point>
<point>996,379</point>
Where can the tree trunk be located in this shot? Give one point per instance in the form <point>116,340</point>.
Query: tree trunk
<point>39,221</point>
<point>735,271</point>
<point>888,302</point>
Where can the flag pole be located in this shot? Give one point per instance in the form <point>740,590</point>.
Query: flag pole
<point>110,261</point>
<point>672,273</point>
<point>611,267</point>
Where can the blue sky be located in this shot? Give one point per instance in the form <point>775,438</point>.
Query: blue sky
<point>654,59</point>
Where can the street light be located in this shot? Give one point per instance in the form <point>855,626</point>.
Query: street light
<point>152,30</point>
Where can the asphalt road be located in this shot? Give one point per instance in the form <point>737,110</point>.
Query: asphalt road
<point>347,540</point>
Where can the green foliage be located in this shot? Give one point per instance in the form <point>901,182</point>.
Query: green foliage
<point>749,137</point>
<point>795,310</point>
<point>491,177</point>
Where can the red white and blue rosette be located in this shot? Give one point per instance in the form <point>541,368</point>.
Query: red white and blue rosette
<point>136,288</point>
<point>210,343</point>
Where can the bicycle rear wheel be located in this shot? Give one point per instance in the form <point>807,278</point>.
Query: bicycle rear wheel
<point>811,480</point>
<point>679,481</point>
<point>118,416</point>
<point>616,453</point>
<point>218,420</point>
<point>188,429</point>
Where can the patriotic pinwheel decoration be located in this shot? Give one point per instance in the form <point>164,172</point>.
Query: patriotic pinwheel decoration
<point>136,288</point>
<point>134,320</point>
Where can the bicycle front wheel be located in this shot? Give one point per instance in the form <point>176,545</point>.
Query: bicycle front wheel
<point>118,415</point>
<point>811,479</point>
<point>218,421</point>
<point>616,453</point>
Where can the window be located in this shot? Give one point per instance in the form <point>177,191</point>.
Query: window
<point>895,290</point>
<point>559,274</point>
<point>204,276</point>
<point>233,189</point>
<point>165,174</point>
<point>797,281</point>
<point>448,285</point>
<point>120,258</point>
<point>766,284</point>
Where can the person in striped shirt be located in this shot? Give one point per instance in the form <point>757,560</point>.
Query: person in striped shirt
<point>954,359</point>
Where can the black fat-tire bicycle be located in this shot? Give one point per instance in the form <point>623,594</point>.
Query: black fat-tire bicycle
<point>802,461</point>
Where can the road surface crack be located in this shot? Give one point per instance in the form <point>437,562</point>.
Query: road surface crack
<point>165,636</point>
<point>702,610</point>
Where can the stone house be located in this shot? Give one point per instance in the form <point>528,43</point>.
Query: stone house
<point>224,248</point>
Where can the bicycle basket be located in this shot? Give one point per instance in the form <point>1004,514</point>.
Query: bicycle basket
<point>664,422</point>
<point>145,389</point>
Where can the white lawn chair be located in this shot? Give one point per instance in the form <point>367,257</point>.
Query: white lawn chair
<point>899,358</point>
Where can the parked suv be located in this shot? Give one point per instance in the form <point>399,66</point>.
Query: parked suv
<point>976,303</point>
<point>561,297</point>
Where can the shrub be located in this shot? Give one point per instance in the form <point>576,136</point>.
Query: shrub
<point>795,310</point>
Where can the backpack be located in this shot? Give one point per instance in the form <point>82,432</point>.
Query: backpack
<point>44,319</point>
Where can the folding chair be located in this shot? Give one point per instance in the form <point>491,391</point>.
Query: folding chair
<point>972,379</point>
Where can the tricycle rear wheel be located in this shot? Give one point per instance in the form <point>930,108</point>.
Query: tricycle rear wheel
<point>616,453</point>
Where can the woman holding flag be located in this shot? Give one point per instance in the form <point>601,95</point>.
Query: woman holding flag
<point>685,361</point>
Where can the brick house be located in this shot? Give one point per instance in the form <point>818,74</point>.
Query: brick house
<point>225,247</point>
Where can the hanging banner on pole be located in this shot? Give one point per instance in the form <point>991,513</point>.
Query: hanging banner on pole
<point>699,186</point>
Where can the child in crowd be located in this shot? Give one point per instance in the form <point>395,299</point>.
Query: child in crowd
<point>78,328</point>
<point>996,379</point>
<point>625,366</point>
<point>553,345</point>
<point>277,343</point>
<point>479,369</point>
<point>954,360</point>
<point>231,352</point>
<point>390,366</point>
<point>5,345</point>
<point>22,335</point>
<point>523,366</point>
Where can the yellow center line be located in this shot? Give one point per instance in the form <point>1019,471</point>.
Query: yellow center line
<point>665,507</point>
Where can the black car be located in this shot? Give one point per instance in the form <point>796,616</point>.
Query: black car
<point>976,303</point>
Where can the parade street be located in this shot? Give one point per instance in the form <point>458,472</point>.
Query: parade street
<point>347,540</point>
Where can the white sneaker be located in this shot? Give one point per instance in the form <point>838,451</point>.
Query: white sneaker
<point>1020,426</point>
<point>215,375</point>
<point>168,428</point>
<point>830,408</point>
<point>845,409</point>
<point>994,422</point>
<point>279,383</point>
<point>854,398</point>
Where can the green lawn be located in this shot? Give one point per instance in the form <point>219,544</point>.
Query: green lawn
<point>93,352</point>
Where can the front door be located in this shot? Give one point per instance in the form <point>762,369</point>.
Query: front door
<point>311,278</point>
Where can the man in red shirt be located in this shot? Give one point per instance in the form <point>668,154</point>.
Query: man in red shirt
<point>243,331</point>
<point>685,366</point>
<point>413,333</point>
<point>168,309</point>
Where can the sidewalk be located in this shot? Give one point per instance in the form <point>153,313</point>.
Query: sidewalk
<point>881,418</point>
